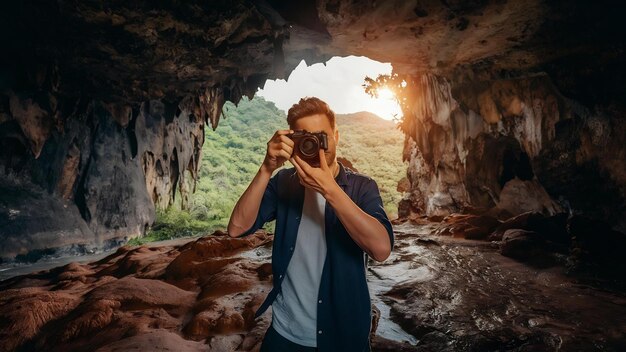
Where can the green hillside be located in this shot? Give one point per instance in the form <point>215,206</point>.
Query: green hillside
<point>232,154</point>
<point>374,146</point>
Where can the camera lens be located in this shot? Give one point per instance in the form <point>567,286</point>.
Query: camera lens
<point>309,146</point>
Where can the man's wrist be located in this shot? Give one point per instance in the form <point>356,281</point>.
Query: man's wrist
<point>333,193</point>
<point>265,170</point>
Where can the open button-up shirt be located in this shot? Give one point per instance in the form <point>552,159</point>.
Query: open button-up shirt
<point>344,305</point>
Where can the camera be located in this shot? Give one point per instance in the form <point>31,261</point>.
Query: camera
<point>307,145</point>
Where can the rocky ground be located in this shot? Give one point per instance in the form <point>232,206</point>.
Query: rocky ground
<point>434,292</point>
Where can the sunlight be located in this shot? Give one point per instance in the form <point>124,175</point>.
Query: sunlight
<point>338,82</point>
<point>385,105</point>
<point>385,93</point>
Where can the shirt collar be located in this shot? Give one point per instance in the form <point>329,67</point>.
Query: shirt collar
<point>342,177</point>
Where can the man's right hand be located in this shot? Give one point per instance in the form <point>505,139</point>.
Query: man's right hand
<point>279,149</point>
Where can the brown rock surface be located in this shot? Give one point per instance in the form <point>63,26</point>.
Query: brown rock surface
<point>173,297</point>
<point>198,296</point>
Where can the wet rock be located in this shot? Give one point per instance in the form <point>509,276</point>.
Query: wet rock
<point>482,226</point>
<point>474,227</point>
<point>375,320</point>
<point>381,344</point>
<point>551,228</point>
<point>451,294</point>
<point>534,238</point>
<point>526,246</point>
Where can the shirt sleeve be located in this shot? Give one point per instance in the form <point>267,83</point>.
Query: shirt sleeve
<point>371,203</point>
<point>267,210</point>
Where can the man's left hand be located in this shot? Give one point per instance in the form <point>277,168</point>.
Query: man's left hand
<point>320,178</point>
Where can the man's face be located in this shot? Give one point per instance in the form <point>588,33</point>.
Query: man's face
<point>320,123</point>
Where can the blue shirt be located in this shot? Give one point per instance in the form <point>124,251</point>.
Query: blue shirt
<point>344,305</point>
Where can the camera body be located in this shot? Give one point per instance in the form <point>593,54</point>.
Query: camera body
<point>307,145</point>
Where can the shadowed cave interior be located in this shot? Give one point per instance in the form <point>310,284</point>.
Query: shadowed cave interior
<point>510,234</point>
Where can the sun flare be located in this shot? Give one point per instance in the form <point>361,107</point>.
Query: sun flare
<point>385,104</point>
<point>385,93</point>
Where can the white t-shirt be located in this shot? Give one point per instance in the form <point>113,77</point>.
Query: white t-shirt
<point>295,310</point>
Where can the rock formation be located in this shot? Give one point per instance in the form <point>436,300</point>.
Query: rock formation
<point>509,106</point>
<point>103,109</point>
<point>508,146</point>
<point>143,297</point>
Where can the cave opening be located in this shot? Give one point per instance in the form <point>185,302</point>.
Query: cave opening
<point>370,141</point>
<point>339,81</point>
<point>515,163</point>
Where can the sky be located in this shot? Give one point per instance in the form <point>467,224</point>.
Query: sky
<point>339,83</point>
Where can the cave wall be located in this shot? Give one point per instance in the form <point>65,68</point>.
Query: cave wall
<point>90,175</point>
<point>103,108</point>
<point>510,145</point>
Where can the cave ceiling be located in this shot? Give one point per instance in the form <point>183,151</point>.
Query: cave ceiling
<point>131,51</point>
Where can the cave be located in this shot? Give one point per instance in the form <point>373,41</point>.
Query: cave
<point>509,235</point>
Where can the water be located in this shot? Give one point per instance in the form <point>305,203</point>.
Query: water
<point>387,328</point>
<point>378,284</point>
<point>453,294</point>
<point>9,270</point>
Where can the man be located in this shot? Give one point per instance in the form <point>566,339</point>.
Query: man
<point>327,219</point>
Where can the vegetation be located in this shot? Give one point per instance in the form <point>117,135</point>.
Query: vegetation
<point>232,154</point>
<point>374,146</point>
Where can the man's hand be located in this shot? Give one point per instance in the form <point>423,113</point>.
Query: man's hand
<point>320,178</point>
<point>366,231</point>
<point>279,149</point>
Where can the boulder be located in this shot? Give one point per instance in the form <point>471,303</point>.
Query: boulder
<point>526,246</point>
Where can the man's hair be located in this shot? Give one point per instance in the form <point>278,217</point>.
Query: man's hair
<point>310,106</point>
